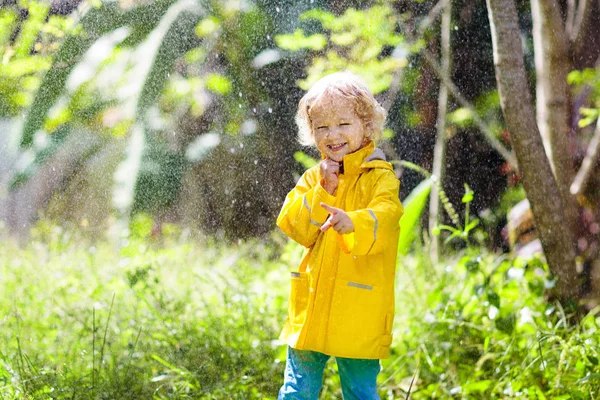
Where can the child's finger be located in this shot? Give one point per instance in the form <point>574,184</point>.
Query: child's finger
<point>331,209</point>
<point>326,225</point>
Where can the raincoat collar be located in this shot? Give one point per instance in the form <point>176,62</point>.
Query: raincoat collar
<point>354,162</point>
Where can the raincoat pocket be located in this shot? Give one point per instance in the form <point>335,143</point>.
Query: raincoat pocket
<point>298,297</point>
<point>357,311</point>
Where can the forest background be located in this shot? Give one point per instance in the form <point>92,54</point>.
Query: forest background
<point>146,148</point>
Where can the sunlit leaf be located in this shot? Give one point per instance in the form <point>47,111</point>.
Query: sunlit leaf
<point>207,26</point>
<point>298,40</point>
<point>326,18</point>
<point>218,84</point>
<point>462,117</point>
<point>304,159</point>
<point>414,204</point>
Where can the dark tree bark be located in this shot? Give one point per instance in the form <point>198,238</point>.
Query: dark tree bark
<point>536,172</point>
<point>552,65</point>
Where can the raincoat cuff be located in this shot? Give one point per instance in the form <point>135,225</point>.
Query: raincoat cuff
<point>321,195</point>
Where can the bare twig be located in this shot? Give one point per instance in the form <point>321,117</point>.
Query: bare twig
<point>487,132</point>
<point>570,17</point>
<point>580,21</point>
<point>431,16</point>
<point>397,77</point>
<point>439,152</point>
<point>589,161</point>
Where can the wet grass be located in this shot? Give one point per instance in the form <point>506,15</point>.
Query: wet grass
<point>176,317</point>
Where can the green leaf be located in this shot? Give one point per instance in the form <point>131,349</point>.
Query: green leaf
<point>413,208</point>
<point>471,225</point>
<point>298,40</point>
<point>468,196</point>
<point>589,116</point>
<point>472,266</point>
<point>327,19</point>
<point>304,159</point>
<point>207,26</point>
<point>462,117</point>
<point>480,386</point>
<point>506,324</point>
<point>7,22</point>
<point>218,84</point>
<point>95,23</point>
<point>31,27</point>
<point>493,298</point>
<point>449,228</point>
<point>589,378</point>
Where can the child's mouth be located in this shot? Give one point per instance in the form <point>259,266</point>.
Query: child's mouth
<point>336,147</point>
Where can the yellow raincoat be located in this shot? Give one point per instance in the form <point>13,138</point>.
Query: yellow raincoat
<point>342,295</point>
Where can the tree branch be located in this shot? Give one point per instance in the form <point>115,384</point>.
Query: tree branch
<point>431,16</point>
<point>439,151</point>
<point>580,22</point>
<point>425,23</point>
<point>570,17</point>
<point>589,161</point>
<point>487,132</point>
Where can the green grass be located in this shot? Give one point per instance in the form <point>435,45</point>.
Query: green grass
<point>176,317</point>
<point>132,319</point>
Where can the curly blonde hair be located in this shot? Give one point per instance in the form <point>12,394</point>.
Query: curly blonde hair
<point>348,86</point>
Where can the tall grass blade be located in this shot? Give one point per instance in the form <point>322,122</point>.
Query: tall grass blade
<point>105,331</point>
<point>412,381</point>
<point>93,347</point>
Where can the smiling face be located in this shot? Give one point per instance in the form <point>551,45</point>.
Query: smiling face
<point>336,127</point>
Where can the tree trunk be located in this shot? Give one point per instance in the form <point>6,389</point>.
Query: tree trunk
<point>439,151</point>
<point>552,65</point>
<point>536,173</point>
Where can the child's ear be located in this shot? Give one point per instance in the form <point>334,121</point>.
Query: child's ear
<point>368,127</point>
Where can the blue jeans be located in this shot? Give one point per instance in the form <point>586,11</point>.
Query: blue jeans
<point>303,376</point>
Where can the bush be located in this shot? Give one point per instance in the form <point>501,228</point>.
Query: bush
<point>480,327</point>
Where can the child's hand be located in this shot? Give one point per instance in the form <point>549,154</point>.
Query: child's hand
<point>340,221</point>
<point>329,172</point>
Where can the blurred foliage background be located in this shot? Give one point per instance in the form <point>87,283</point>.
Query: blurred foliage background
<point>146,148</point>
<point>184,110</point>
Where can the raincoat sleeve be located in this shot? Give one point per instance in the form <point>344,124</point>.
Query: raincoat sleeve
<point>302,215</point>
<point>376,226</point>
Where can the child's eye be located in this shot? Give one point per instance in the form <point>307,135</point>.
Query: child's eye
<point>321,127</point>
<point>345,124</point>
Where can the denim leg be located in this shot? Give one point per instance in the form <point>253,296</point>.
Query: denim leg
<point>303,376</point>
<point>359,378</point>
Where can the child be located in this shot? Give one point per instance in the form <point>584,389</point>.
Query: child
<point>346,212</point>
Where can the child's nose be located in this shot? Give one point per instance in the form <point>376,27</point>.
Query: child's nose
<point>334,131</point>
